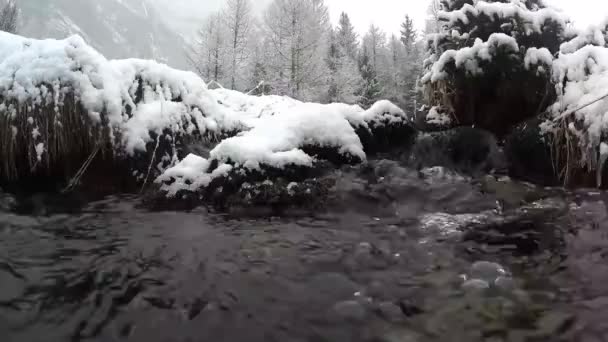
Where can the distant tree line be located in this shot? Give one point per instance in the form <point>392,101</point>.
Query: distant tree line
<point>294,50</point>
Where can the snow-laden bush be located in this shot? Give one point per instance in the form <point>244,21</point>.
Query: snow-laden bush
<point>491,64</point>
<point>579,117</point>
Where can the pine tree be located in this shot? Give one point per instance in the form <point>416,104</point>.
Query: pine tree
<point>346,36</point>
<point>477,66</point>
<point>370,90</point>
<point>408,34</point>
<point>344,79</point>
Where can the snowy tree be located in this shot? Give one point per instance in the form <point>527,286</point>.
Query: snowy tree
<point>374,42</point>
<point>9,17</point>
<point>476,67</point>
<point>297,31</point>
<point>208,55</point>
<point>260,82</point>
<point>433,24</point>
<point>370,90</point>
<point>408,34</point>
<point>346,36</point>
<point>238,20</point>
<point>344,78</point>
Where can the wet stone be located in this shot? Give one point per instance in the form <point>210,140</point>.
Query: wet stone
<point>350,310</point>
<point>488,271</point>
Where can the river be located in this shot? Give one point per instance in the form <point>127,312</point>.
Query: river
<point>394,255</point>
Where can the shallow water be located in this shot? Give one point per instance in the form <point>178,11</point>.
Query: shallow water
<point>396,255</point>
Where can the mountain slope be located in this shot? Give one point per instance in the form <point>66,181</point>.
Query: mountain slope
<point>117,28</point>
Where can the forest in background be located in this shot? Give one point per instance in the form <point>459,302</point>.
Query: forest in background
<point>293,49</point>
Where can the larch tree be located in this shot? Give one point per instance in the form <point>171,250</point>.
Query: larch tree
<point>238,20</point>
<point>9,17</point>
<point>374,42</point>
<point>297,31</point>
<point>208,54</point>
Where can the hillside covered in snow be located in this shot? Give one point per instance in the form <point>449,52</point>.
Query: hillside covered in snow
<point>117,28</point>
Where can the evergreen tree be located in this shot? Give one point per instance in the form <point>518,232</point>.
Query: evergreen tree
<point>477,65</point>
<point>343,77</point>
<point>408,34</point>
<point>370,90</point>
<point>346,36</point>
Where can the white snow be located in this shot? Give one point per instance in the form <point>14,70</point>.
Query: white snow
<point>538,57</point>
<point>435,117</point>
<point>187,175</point>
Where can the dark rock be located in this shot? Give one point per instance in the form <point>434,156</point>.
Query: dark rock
<point>350,310</point>
<point>529,154</point>
<point>410,309</point>
<point>390,312</point>
<point>381,137</point>
<point>465,149</point>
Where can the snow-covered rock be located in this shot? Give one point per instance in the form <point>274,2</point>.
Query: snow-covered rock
<point>284,133</point>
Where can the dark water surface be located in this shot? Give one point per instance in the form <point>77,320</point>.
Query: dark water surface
<point>396,255</point>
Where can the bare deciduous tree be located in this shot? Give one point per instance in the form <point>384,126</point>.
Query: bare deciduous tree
<point>238,19</point>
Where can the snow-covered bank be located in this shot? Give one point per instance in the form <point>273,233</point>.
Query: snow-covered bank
<point>284,133</point>
<point>63,101</point>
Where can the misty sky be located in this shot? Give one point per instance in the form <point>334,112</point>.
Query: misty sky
<point>388,14</point>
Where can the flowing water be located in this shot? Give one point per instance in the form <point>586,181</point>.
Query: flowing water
<point>395,255</point>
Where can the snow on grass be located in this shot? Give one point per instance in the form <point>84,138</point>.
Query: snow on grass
<point>125,94</point>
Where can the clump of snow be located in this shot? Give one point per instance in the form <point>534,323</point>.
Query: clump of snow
<point>540,58</point>
<point>187,175</point>
<point>436,117</point>
<point>277,140</point>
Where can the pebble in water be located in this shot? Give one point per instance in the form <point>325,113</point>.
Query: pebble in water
<point>485,275</point>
